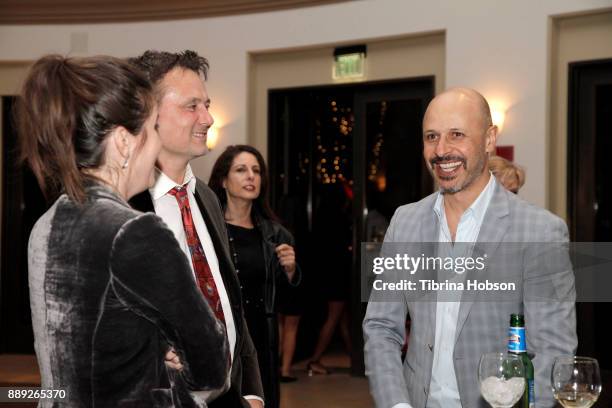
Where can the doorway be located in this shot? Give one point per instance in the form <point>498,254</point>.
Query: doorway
<point>342,158</point>
<point>23,203</point>
<point>589,190</point>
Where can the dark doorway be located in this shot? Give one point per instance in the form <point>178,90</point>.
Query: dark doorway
<point>23,203</point>
<point>342,159</point>
<point>589,188</point>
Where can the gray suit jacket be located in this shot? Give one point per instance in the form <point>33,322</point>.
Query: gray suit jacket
<point>482,326</point>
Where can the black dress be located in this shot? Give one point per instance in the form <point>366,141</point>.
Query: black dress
<point>246,245</point>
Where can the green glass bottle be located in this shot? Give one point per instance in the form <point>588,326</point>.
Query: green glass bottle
<point>517,344</point>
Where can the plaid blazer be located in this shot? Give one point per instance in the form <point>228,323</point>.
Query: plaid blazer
<point>482,326</point>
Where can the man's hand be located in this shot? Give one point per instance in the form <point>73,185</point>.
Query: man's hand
<point>286,257</point>
<point>255,403</point>
<point>173,361</point>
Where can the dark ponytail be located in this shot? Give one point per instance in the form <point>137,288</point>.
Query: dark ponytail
<point>67,108</point>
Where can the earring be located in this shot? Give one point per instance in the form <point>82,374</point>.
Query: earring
<point>127,157</point>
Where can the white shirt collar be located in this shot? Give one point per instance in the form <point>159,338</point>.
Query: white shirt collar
<point>478,207</point>
<point>163,183</point>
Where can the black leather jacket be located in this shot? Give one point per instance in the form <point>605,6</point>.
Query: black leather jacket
<point>273,234</point>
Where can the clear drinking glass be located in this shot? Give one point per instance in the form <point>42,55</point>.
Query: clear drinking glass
<point>575,381</point>
<point>502,379</point>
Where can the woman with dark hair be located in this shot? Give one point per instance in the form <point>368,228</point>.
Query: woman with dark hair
<point>111,292</point>
<point>262,250</point>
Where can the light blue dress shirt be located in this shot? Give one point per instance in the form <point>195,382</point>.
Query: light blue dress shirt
<point>443,389</point>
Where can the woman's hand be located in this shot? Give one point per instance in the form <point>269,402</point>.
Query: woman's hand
<point>172,360</point>
<point>286,257</point>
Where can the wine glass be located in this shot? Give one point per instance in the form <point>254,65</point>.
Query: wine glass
<point>575,381</point>
<point>502,379</point>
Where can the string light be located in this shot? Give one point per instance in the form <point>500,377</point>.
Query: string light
<point>331,148</point>
<point>375,174</point>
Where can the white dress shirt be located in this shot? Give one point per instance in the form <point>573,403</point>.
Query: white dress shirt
<point>168,209</point>
<point>166,206</point>
<point>443,389</point>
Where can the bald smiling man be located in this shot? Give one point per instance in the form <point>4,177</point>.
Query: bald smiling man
<point>448,337</point>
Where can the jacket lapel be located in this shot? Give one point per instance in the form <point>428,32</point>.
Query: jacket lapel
<point>213,217</point>
<point>494,227</point>
<point>429,230</point>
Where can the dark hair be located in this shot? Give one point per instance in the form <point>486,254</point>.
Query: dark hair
<point>67,108</point>
<point>156,64</point>
<point>261,205</point>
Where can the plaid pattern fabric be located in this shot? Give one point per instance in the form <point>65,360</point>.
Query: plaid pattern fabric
<point>204,277</point>
<point>481,326</point>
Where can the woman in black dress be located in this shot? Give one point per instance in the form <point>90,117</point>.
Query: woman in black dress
<point>262,251</point>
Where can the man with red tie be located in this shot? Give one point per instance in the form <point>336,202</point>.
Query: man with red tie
<point>192,211</point>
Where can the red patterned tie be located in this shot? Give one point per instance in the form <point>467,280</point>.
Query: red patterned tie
<point>203,274</point>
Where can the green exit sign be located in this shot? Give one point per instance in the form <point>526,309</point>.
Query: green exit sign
<point>349,66</point>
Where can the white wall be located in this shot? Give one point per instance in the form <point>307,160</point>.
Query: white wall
<point>497,47</point>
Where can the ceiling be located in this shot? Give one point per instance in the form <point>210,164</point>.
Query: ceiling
<point>105,11</point>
